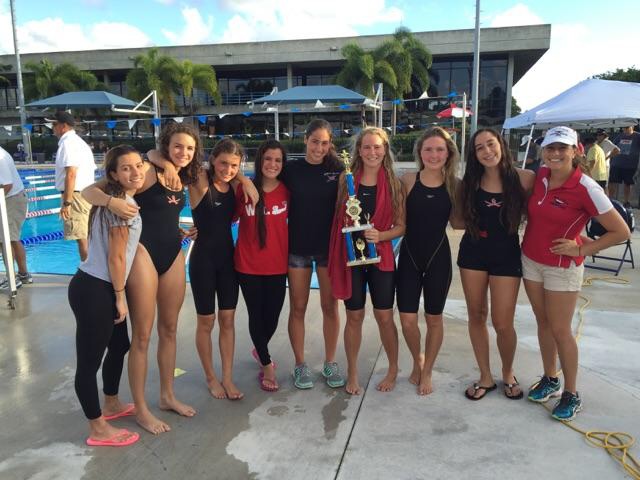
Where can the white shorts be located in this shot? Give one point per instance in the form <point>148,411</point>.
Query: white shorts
<point>556,279</point>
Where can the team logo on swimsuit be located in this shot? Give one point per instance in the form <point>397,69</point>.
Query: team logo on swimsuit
<point>493,203</point>
<point>558,202</point>
<point>331,176</point>
<point>172,200</point>
<point>430,196</point>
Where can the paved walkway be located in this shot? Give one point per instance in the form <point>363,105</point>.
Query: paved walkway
<point>322,433</point>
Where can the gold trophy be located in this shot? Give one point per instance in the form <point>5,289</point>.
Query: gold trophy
<point>352,223</point>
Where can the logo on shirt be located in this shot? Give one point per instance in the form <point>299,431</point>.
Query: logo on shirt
<point>172,200</point>
<point>217,204</point>
<point>493,203</point>
<point>558,202</point>
<point>430,196</point>
<point>331,176</point>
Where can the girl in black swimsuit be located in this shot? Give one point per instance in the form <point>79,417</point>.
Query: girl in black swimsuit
<point>157,275</point>
<point>425,257</point>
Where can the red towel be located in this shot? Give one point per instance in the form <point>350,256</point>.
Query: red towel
<point>382,220</point>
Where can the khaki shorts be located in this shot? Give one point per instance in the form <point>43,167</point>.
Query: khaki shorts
<point>16,213</point>
<point>77,227</point>
<point>556,279</point>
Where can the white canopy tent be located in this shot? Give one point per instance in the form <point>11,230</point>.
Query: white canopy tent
<point>589,104</point>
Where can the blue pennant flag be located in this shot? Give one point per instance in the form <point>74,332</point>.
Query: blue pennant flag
<point>247,114</point>
<point>156,121</point>
<point>295,109</point>
<point>397,101</point>
<point>344,106</point>
<point>111,124</point>
<point>202,119</point>
<point>28,126</point>
<point>453,93</point>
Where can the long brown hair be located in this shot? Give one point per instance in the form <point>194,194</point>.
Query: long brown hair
<point>514,194</point>
<point>261,226</point>
<point>397,192</point>
<point>113,187</point>
<point>450,166</point>
<point>189,174</point>
<point>331,158</point>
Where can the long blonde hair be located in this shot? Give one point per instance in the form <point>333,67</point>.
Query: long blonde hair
<point>451,165</point>
<point>397,192</point>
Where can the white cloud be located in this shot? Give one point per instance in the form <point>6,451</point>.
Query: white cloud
<point>517,15</point>
<point>195,30</point>
<point>54,34</point>
<point>252,20</point>
<point>577,52</point>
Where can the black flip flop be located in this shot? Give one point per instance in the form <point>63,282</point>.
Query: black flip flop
<point>476,387</point>
<point>510,387</point>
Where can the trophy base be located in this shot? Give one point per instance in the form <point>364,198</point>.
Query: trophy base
<point>359,228</point>
<point>359,261</point>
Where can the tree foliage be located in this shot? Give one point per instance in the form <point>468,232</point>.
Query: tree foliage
<point>153,71</point>
<point>202,77</point>
<point>631,74</point>
<point>401,64</point>
<point>44,79</point>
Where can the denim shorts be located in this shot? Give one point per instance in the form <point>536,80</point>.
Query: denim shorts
<point>306,261</point>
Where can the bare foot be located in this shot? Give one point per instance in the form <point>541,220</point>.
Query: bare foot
<point>113,407</point>
<point>425,387</point>
<point>388,382</point>
<point>414,378</point>
<point>216,389</point>
<point>353,387</point>
<point>151,424</point>
<point>231,390</point>
<point>177,406</point>
<point>100,429</point>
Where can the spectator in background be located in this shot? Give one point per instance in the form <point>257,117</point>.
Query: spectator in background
<point>625,163</point>
<point>16,200</point>
<point>533,154</point>
<point>596,161</point>
<point>75,169</point>
<point>609,148</point>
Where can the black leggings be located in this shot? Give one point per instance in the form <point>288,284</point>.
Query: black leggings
<point>212,275</point>
<point>381,285</point>
<point>93,303</point>
<point>264,296</point>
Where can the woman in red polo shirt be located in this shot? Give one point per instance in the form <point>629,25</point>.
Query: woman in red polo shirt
<point>553,251</point>
<point>261,255</point>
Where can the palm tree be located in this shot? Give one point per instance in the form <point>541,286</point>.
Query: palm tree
<point>202,77</point>
<point>154,72</point>
<point>420,60</point>
<point>363,69</point>
<point>47,79</point>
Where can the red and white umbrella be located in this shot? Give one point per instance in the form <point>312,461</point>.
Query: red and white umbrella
<point>453,111</point>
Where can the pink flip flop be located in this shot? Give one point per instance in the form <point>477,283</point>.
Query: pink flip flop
<point>129,410</point>
<point>255,355</point>
<point>132,438</point>
<point>267,385</point>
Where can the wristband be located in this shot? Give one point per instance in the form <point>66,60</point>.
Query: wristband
<point>106,205</point>
<point>66,204</point>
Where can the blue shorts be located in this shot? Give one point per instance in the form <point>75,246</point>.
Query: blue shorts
<point>306,261</point>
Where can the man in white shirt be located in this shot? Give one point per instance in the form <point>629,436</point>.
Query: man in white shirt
<point>75,170</point>
<point>16,200</point>
<point>610,149</point>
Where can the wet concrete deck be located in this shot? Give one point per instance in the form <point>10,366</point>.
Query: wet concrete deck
<point>322,433</point>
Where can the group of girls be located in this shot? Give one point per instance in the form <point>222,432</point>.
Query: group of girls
<point>291,217</point>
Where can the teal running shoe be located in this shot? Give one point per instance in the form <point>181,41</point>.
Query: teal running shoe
<point>331,372</point>
<point>302,377</point>
<point>544,389</point>
<point>568,407</point>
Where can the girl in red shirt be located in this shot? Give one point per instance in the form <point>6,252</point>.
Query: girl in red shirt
<point>553,252</point>
<point>261,254</point>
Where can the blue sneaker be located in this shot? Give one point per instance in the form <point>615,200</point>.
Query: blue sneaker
<point>302,377</point>
<point>568,407</point>
<point>331,372</point>
<point>544,389</point>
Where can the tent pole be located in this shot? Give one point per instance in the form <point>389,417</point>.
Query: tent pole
<point>526,151</point>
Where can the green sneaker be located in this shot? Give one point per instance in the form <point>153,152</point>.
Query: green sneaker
<point>568,407</point>
<point>331,372</point>
<point>302,377</point>
<point>544,389</point>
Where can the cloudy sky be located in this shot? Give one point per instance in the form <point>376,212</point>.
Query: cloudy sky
<point>587,37</point>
